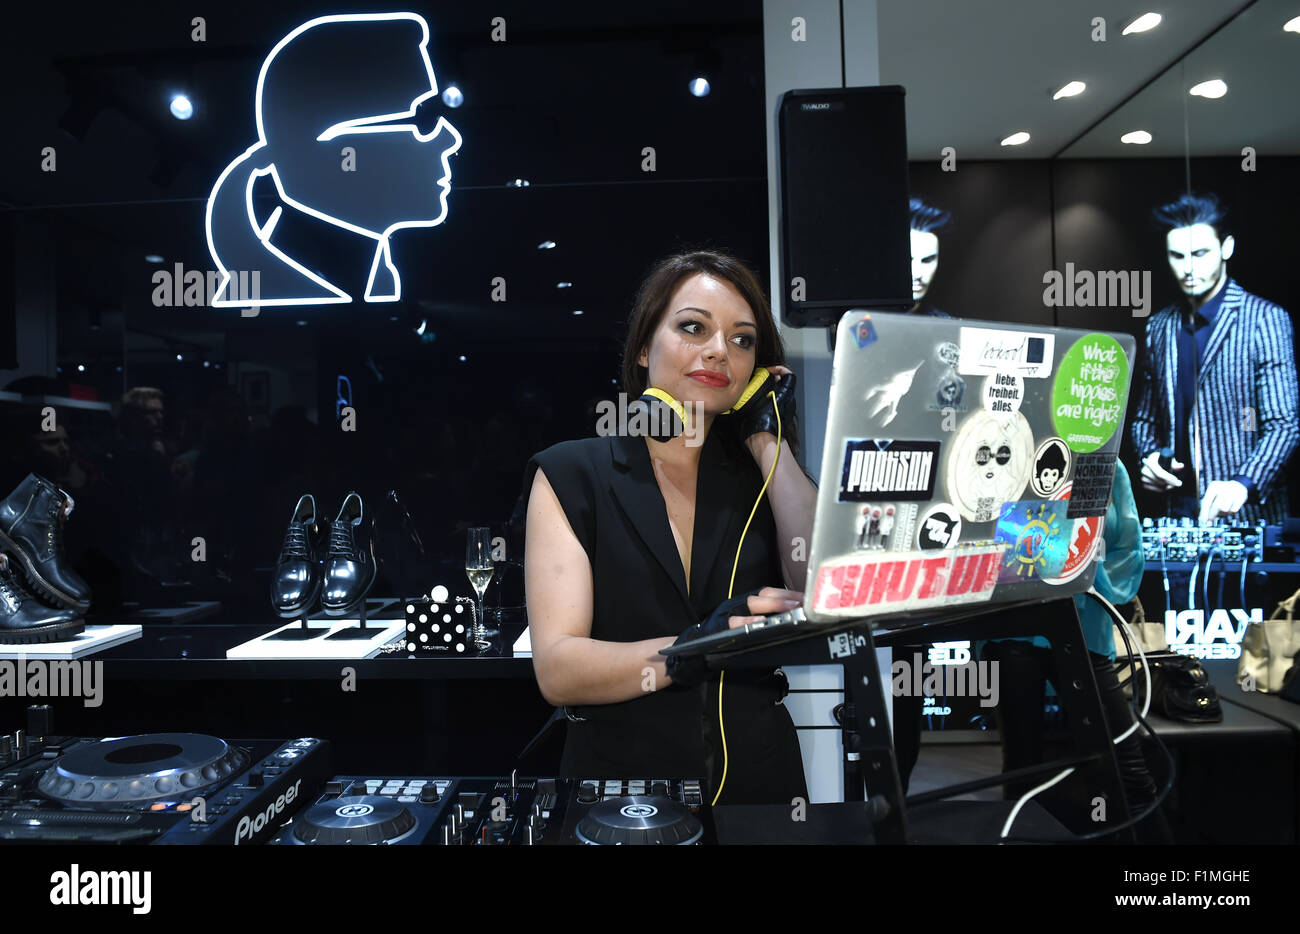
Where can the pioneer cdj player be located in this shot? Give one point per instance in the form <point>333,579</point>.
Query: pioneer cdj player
<point>501,812</point>
<point>167,788</point>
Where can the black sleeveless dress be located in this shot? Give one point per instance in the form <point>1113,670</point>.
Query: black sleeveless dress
<point>608,491</point>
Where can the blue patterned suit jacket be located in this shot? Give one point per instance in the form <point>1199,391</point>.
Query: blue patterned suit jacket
<point>1247,381</point>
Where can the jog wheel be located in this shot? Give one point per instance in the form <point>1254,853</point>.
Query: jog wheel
<point>141,770</point>
<point>357,819</point>
<point>637,820</point>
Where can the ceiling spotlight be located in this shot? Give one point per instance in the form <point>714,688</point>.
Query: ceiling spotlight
<point>1073,89</point>
<point>81,368</point>
<point>180,358</point>
<point>1292,25</point>
<point>1137,137</point>
<point>302,324</point>
<point>452,96</point>
<point>1016,139</point>
<point>181,107</point>
<point>463,358</point>
<point>700,87</point>
<point>206,364</point>
<point>423,326</point>
<point>564,285</point>
<point>1213,89</point>
<point>577,311</point>
<point>153,258</point>
<point>1143,23</point>
<point>546,245</point>
<point>518,183</point>
<point>393,318</point>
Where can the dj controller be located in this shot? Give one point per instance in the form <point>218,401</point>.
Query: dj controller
<point>190,789</point>
<point>165,788</point>
<point>1176,540</point>
<point>501,812</point>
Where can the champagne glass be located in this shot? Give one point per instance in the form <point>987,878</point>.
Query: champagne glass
<point>479,569</point>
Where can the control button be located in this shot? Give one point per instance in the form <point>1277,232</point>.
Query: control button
<point>636,788</point>
<point>256,780</point>
<point>613,788</point>
<point>418,782</point>
<point>408,799</point>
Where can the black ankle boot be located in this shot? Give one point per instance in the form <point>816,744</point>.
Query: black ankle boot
<point>23,618</point>
<point>296,581</point>
<point>350,562</point>
<point>31,530</point>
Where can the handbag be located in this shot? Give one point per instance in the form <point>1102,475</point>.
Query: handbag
<point>1181,690</point>
<point>1269,649</point>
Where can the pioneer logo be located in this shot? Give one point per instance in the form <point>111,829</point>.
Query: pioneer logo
<point>251,826</point>
<point>75,887</point>
<point>893,469</point>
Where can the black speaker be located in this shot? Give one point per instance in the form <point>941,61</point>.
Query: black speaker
<point>844,209</point>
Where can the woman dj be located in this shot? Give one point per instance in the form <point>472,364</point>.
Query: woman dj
<point>631,541</point>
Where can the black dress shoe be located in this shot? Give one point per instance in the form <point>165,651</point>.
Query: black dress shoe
<point>296,581</point>
<point>350,562</point>
<point>31,530</point>
<point>23,618</point>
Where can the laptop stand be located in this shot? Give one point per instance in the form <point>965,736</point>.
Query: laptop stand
<point>869,750</point>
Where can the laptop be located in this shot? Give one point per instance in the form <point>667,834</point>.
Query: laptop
<point>967,465</point>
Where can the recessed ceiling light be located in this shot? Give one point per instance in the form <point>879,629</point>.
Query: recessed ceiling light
<point>153,258</point>
<point>564,285</point>
<point>518,183</point>
<point>1137,137</point>
<point>81,368</point>
<point>1292,25</point>
<point>180,358</point>
<point>181,107</point>
<point>463,358</point>
<point>1016,139</point>
<point>452,97</point>
<point>546,245</point>
<point>578,311</point>
<point>1143,23</point>
<point>302,324</point>
<point>1073,89</point>
<point>700,87</point>
<point>1213,89</point>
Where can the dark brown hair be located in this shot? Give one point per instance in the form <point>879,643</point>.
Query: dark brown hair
<point>652,302</point>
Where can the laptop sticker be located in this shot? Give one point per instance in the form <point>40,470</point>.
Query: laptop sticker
<point>1090,392</point>
<point>1084,539</point>
<point>883,469</point>
<point>1094,474</point>
<point>1003,393</point>
<point>882,401</point>
<point>988,464</point>
<point>885,526</point>
<point>864,332</point>
<point>1037,534</point>
<point>1051,468</point>
<point>991,350</point>
<point>939,528</point>
<point>950,388</point>
<point>907,580</point>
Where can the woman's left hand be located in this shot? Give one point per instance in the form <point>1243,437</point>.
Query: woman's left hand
<point>757,415</point>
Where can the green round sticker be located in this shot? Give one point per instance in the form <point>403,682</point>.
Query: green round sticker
<point>1090,392</point>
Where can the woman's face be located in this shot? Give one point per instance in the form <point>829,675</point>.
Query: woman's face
<point>703,349</point>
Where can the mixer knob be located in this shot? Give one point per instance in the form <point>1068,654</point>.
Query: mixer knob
<point>587,793</point>
<point>429,794</point>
